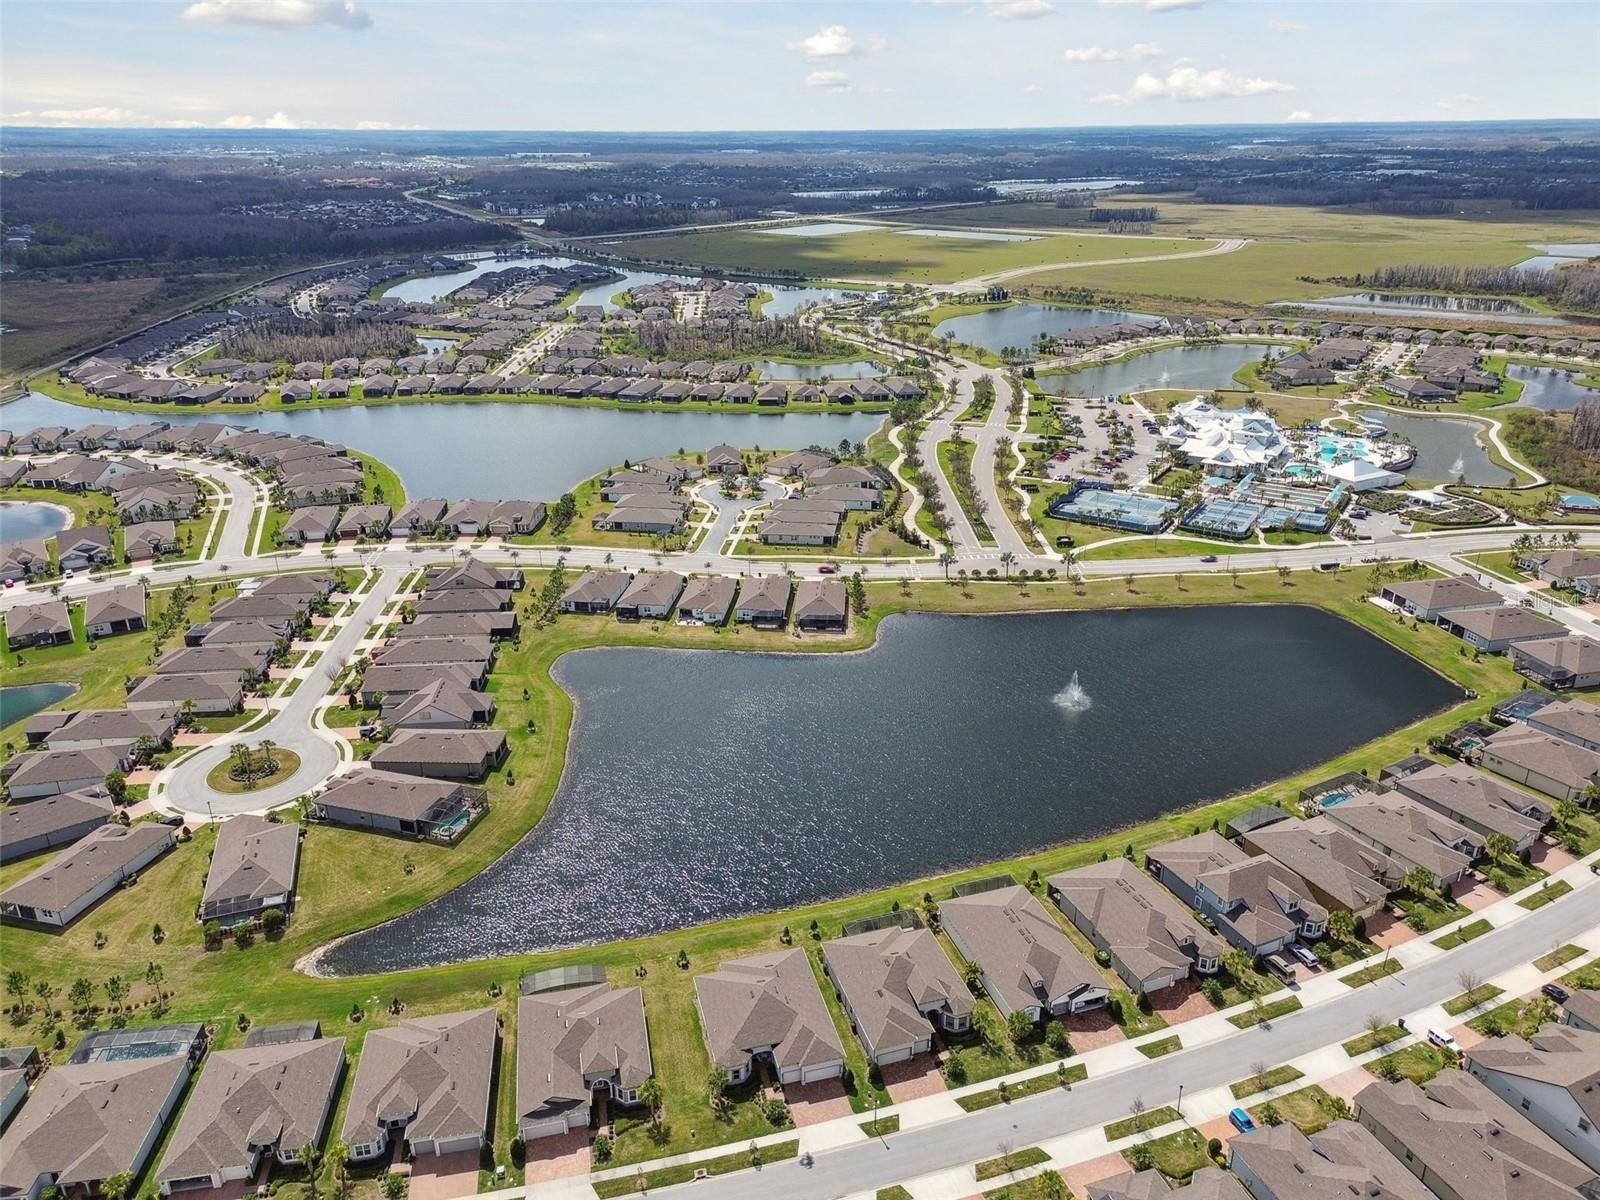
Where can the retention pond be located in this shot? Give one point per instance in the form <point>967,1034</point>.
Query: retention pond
<point>707,784</point>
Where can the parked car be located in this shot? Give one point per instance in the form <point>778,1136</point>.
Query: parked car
<point>1303,953</point>
<point>1556,992</point>
<point>1241,1121</point>
<point>1278,965</point>
<point>1443,1040</point>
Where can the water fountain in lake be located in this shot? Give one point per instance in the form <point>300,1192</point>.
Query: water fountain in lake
<point>1073,698</point>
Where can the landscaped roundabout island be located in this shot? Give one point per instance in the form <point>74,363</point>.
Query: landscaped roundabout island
<point>252,767</point>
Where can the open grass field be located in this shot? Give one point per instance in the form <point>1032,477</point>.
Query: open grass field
<point>1287,242</point>
<point>891,255</point>
<point>350,880</point>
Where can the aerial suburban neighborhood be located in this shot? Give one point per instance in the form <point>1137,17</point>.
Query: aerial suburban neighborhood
<point>990,601</point>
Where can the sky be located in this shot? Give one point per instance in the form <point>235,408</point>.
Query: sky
<point>789,64</point>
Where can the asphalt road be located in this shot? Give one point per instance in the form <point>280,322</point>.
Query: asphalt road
<point>984,1134</point>
<point>290,728</point>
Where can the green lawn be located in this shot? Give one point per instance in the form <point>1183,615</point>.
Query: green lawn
<point>1373,1039</point>
<point>1160,1047</point>
<point>1463,934</point>
<point>1547,894</point>
<point>1376,971</point>
<point>1476,998</point>
<point>1065,1075</point>
<point>882,1127</point>
<point>1522,1017</point>
<point>1273,1078</point>
<point>1150,1119</point>
<point>741,1160</point>
<point>1418,1062</point>
<point>1176,1155</point>
<point>1310,1109</point>
<point>1559,957</point>
<point>1268,1012</point>
<point>1005,1164</point>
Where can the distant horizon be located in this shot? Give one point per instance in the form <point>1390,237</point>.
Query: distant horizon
<point>840,65</point>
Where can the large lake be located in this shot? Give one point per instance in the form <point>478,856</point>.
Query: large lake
<point>1447,448</point>
<point>1198,367</point>
<point>496,451</point>
<point>705,784</point>
<point>1018,324</point>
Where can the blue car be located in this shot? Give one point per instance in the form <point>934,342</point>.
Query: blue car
<point>1241,1121</point>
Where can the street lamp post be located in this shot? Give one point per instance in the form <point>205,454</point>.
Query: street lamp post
<point>1180,1100</point>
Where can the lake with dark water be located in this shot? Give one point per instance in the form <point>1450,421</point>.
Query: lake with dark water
<point>706,784</point>
<point>21,702</point>
<point>1198,367</point>
<point>1414,304</point>
<point>1550,389</point>
<point>496,451</point>
<point>1019,324</point>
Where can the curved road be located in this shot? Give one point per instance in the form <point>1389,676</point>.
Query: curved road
<point>290,727</point>
<point>1226,246</point>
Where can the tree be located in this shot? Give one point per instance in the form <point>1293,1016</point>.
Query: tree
<point>1239,964</point>
<point>16,985</point>
<point>116,784</point>
<point>946,560</point>
<point>651,1096</point>
<point>1342,925</point>
<point>1470,981</point>
<point>81,993</point>
<point>272,921</point>
<point>1019,1025</point>
<point>1136,1110</point>
<point>117,1187</point>
<point>1419,882</point>
<point>1006,560</point>
<point>1499,847</point>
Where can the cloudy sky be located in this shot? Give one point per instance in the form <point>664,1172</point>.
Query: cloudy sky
<point>743,64</point>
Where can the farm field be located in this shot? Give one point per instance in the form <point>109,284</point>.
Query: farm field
<point>887,254</point>
<point>1287,242</point>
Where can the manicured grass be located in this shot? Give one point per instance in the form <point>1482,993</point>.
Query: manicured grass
<point>1176,1155</point>
<point>1160,1047</point>
<point>1585,978</point>
<point>1065,1075</point>
<point>1559,957</point>
<point>381,483</point>
<point>1310,1109</point>
<point>1151,1119</point>
<point>1547,894</point>
<point>1372,1039</point>
<point>1418,1062</point>
<point>956,461</point>
<point>1366,975</point>
<point>1468,1001</point>
<point>882,1127</point>
<point>893,1192</point>
<point>993,1168</point>
<point>1036,1187</point>
<point>1463,934</point>
<point>1276,1077</point>
<point>350,880</point>
<point>1510,875</point>
<point>1269,1011</point>
<point>285,764</point>
<point>683,1172</point>
<point>1521,1016</point>
<point>1435,910</point>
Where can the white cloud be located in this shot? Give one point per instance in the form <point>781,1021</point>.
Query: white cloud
<point>1459,100</point>
<point>279,14</point>
<point>828,81</point>
<point>277,120</point>
<point>831,41</point>
<point>1153,5</point>
<point>1019,10</point>
<point>378,125</point>
<point>1189,84</point>
<point>93,115</point>
<point>1031,88</point>
<point>1299,116</point>
<point>1286,26</point>
<point>1100,54</point>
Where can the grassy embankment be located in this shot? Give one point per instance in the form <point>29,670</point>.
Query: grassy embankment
<point>350,880</point>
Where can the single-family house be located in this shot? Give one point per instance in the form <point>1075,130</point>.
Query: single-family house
<point>72,882</point>
<point>443,754</point>
<point>575,1043</point>
<point>253,868</point>
<point>707,599</point>
<point>1257,903</point>
<point>393,803</point>
<point>767,1006</point>
<point>27,829</point>
<point>897,987</point>
<point>1554,1077</point>
<point>821,605</point>
<point>1343,873</point>
<point>43,623</point>
<point>116,610</point>
<point>1407,832</point>
<point>651,595</point>
<point>1278,1162</point>
<point>1539,760</point>
<point>1028,963</point>
<point>764,601</point>
<point>1480,802</point>
<point>595,592</point>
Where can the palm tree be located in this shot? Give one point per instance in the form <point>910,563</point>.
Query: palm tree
<point>1006,559</point>
<point>946,559</point>
<point>651,1096</point>
<point>267,747</point>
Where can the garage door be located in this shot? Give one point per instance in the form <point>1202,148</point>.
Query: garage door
<point>894,1056</point>
<point>539,1129</point>
<point>825,1071</point>
<point>453,1145</point>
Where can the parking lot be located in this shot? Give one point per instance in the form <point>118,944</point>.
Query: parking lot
<point>1104,439</point>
